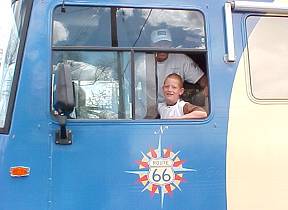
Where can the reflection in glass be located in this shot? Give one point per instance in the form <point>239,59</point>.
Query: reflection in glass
<point>136,25</point>
<point>9,44</point>
<point>82,26</point>
<point>126,27</point>
<point>102,83</point>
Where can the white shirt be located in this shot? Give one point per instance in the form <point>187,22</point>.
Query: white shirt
<point>171,111</point>
<point>180,64</point>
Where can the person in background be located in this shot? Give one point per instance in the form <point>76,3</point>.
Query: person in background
<point>181,64</point>
<point>173,107</point>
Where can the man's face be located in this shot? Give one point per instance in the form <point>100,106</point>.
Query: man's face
<point>172,90</point>
<point>161,56</point>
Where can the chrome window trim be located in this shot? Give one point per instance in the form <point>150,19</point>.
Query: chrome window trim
<point>260,7</point>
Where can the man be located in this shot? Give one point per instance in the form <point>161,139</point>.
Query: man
<point>181,64</point>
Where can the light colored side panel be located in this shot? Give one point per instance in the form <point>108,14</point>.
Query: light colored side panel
<point>257,150</point>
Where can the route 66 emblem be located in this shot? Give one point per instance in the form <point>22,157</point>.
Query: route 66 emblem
<point>160,170</point>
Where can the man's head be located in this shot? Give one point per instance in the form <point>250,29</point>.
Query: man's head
<point>161,38</point>
<point>172,88</point>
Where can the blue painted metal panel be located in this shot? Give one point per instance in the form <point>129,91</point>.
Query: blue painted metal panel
<point>91,173</point>
<point>28,141</point>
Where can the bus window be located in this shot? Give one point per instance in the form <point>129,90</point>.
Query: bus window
<point>102,82</point>
<point>268,70</point>
<point>11,27</point>
<point>112,56</point>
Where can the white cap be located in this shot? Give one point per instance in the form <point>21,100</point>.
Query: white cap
<point>161,35</point>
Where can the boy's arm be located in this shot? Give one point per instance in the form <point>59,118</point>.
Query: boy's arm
<point>193,112</point>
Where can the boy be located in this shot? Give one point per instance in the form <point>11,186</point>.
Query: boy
<point>174,107</point>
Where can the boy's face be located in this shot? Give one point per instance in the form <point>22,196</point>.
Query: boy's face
<point>172,90</point>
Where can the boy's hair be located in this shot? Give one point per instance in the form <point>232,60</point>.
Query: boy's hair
<point>175,76</point>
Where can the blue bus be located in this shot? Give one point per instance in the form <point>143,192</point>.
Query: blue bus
<point>79,90</point>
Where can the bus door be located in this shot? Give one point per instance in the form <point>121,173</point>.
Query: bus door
<point>111,148</point>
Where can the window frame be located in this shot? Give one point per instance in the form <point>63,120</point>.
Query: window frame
<point>133,50</point>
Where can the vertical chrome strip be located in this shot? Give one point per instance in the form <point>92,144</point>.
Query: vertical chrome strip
<point>230,57</point>
<point>246,6</point>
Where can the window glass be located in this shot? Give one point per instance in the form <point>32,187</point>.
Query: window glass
<point>126,27</point>
<point>9,43</point>
<point>102,83</point>
<point>145,86</point>
<point>79,26</point>
<point>268,52</point>
<point>135,27</point>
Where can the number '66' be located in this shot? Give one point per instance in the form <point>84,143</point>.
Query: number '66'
<point>158,177</point>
